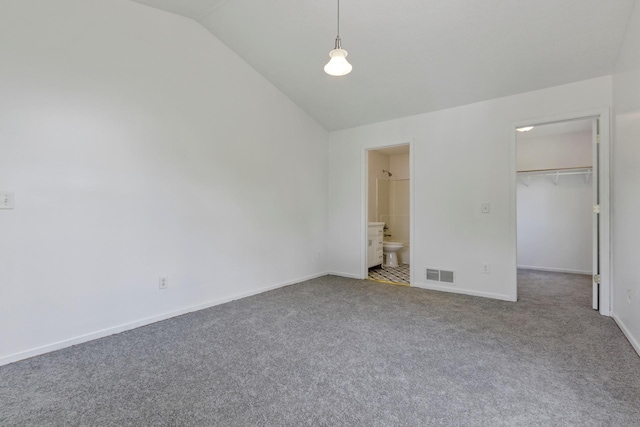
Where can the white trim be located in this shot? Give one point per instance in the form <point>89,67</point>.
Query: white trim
<point>635,344</point>
<point>605,203</point>
<point>463,291</point>
<point>512,266</point>
<point>412,214</point>
<point>4,360</point>
<point>554,270</point>
<point>347,275</point>
<point>595,228</point>
<point>364,212</point>
<point>604,175</point>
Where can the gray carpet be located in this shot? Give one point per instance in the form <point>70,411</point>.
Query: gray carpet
<point>343,352</point>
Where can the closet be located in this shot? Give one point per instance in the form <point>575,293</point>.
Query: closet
<point>555,198</point>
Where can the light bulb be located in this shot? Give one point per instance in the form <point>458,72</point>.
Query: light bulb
<point>338,64</point>
<point>525,129</point>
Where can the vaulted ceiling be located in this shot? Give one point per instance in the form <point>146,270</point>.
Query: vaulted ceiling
<point>413,56</point>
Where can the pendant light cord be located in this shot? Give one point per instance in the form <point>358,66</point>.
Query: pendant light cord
<point>338,18</point>
<point>338,42</point>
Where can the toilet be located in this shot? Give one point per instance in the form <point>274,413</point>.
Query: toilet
<point>390,250</point>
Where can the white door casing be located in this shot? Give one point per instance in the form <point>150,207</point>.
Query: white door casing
<point>601,183</point>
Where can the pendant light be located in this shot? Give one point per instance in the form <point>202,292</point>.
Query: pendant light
<point>338,64</point>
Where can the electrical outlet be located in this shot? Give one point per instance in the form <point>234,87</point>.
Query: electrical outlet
<point>485,207</point>
<point>486,268</point>
<point>6,200</point>
<point>163,283</point>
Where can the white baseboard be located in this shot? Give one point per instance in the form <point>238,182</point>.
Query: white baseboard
<point>452,289</point>
<point>4,360</point>
<point>554,270</point>
<point>634,342</point>
<point>347,275</point>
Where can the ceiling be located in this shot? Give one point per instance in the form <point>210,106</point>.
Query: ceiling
<point>413,56</point>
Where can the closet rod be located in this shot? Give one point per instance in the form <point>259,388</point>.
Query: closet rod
<point>556,173</point>
<point>562,171</point>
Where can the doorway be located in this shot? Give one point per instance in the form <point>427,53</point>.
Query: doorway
<point>388,214</point>
<point>561,194</point>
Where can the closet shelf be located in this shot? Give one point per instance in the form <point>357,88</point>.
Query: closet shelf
<point>587,171</point>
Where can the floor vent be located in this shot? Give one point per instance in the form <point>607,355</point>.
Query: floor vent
<point>444,276</point>
<point>433,275</point>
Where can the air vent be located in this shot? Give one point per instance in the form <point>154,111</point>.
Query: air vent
<point>433,275</point>
<point>444,276</point>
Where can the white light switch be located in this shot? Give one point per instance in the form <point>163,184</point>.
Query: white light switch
<point>486,207</point>
<point>6,200</point>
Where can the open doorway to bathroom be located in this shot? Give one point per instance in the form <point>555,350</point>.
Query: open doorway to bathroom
<point>388,214</point>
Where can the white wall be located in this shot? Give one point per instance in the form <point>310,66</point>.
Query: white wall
<point>461,158</point>
<point>554,221</point>
<point>570,150</point>
<point>626,181</point>
<point>554,224</point>
<point>139,146</point>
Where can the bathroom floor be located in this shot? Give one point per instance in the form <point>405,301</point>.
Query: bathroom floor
<point>399,275</point>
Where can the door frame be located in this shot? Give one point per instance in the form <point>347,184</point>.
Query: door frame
<point>604,172</point>
<point>364,193</point>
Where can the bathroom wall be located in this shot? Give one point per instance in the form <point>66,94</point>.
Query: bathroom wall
<point>555,221</point>
<point>377,162</point>
<point>398,218</point>
<point>399,166</point>
<point>383,199</point>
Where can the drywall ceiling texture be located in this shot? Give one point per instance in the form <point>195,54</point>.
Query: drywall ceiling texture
<point>414,56</point>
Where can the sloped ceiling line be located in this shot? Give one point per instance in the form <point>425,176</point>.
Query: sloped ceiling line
<point>413,56</point>
<point>210,11</point>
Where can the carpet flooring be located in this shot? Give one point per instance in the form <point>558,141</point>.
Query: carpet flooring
<point>343,352</point>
